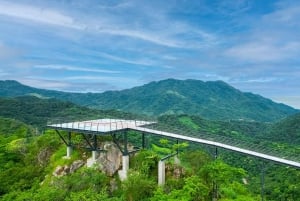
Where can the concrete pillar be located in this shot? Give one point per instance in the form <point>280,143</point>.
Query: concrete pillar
<point>92,161</point>
<point>125,163</point>
<point>94,155</point>
<point>69,151</point>
<point>161,173</point>
<point>125,168</point>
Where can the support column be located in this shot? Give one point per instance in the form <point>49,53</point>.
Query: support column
<point>125,168</point>
<point>161,173</point>
<point>125,152</point>
<point>143,140</point>
<point>216,152</point>
<point>69,151</point>
<point>69,145</point>
<point>92,161</point>
<point>94,155</point>
<point>262,182</point>
<point>125,163</point>
<point>215,185</point>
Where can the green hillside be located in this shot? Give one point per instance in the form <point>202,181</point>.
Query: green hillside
<point>38,112</point>
<point>287,130</point>
<point>28,159</point>
<point>11,88</point>
<point>213,100</point>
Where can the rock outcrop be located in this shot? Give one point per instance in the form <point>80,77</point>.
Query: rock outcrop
<point>66,169</point>
<point>110,160</point>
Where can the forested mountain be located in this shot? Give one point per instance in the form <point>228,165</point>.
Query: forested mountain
<point>28,160</point>
<point>286,130</point>
<point>38,112</point>
<point>213,100</point>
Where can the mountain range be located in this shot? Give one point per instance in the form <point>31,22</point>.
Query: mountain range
<point>212,99</point>
<point>28,160</point>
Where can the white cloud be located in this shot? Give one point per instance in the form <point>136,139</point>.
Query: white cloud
<point>271,39</point>
<point>36,14</point>
<point>256,80</point>
<point>142,35</point>
<point>163,32</point>
<point>144,62</point>
<point>53,17</point>
<point>87,83</point>
<point>44,83</point>
<point>74,68</point>
<point>264,51</point>
<point>288,15</point>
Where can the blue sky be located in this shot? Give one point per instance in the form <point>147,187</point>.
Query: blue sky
<point>99,45</point>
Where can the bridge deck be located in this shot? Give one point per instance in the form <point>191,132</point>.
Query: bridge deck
<point>102,126</point>
<point>217,144</point>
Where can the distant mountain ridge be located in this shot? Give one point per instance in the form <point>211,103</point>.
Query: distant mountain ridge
<point>211,99</point>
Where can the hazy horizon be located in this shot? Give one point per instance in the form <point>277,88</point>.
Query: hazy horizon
<point>142,85</point>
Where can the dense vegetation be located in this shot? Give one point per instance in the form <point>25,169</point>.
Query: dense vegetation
<point>212,100</point>
<point>27,163</point>
<point>287,130</point>
<point>262,137</point>
<point>29,158</point>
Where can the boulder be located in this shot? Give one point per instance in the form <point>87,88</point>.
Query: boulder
<point>66,169</point>
<point>110,161</point>
<point>76,165</point>
<point>58,171</point>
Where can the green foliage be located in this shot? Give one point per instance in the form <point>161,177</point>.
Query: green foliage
<point>138,187</point>
<point>195,160</point>
<point>236,191</point>
<point>287,130</point>
<point>85,178</point>
<point>188,122</point>
<point>27,159</point>
<point>145,162</point>
<point>213,100</point>
<point>40,112</point>
<point>221,173</point>
<point>195,189</point>
<point>167,147</point>
<point>90,195</point>
<point>162,151</point>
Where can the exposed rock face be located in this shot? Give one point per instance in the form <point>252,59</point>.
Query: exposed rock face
<point>61,171</point>
<point>64,170</point>
<point>110,161</point>
<point>175,171</point>
<point>76,165</point>
<point>44,156</point>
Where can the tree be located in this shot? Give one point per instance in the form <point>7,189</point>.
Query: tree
<point>138,187</point>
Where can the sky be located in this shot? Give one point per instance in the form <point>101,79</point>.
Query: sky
<point>100,45</point>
